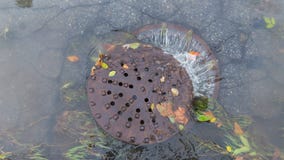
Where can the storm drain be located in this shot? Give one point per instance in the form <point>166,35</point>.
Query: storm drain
<point>139,94</point>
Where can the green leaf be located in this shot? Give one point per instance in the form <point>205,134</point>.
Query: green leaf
<point>269,21</point>
<point>244,140</point>
<point>134,45</point>
<point>203,118</point>
<point>172,119</point>
<point>104,65</point>
<point>111,73</point>
<point>241,150</point>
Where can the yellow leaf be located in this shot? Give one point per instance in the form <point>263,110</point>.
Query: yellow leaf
<point>111,73</point>
<point>181,127</point>
<point>152,106</point>
<point>125,66</point>
<point>229,148</point>
<point>131,45</point>
<point>104,65</point>
<point>237,129</point>
<point>73,58</point>
<point>270,22</point>
<point>175,92</point>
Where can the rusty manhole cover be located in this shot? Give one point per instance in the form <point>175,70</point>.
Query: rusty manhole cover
<point>134,94</point>
<point>141,93</point>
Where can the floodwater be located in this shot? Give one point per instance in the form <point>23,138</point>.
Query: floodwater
<point>43,108</point>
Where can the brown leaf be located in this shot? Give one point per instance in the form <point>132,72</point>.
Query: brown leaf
<point>73,58</point>
<point>165,109</point>
<point>180,116</point>
<point>237,129</point>
<point>109,47</point>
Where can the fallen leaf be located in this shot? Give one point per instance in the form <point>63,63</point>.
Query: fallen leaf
<point>202,118</point>
<point>109,47</point>
<point>270,22</point>
<point>111,73</point>
<point>229,148</point>
<point>131,45</point>
<point>210,115</point>
<point>125,66</point>
<point>165,109</point>
<point>104,65</point>
<point>162,79</point>
<point>73,58</point>
<point>181,127</point>
<point>172,119</point>
<point>244,141</point>
<point>152,106</point>
<point>237,129</point>
<point>180,116</point>
<point>241,150</point>
<point>93,71</point>
<point>67,85</point>
<point>175,92</point>
<point>194,53</point>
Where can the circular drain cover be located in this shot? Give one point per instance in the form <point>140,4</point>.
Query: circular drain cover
<point>139,94</point>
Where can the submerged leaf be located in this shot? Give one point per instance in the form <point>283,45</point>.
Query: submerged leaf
<point>111,73</point>
<point>131,45</point>
<point>237,129</point>
<point>244,141</point>
<point>104,65</point>
<point>73,58</point>
<point>241,150</point>
<point>229,148</point>
<point>270,22</point>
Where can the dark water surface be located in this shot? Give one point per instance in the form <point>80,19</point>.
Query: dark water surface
<point>43,107</point>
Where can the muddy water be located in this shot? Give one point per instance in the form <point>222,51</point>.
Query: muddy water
<point>37,36</point>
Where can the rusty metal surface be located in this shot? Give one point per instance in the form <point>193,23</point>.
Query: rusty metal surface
<point>125,104</point>
<point>176,41</point>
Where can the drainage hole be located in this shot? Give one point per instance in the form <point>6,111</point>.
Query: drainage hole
<point>154,120</point>
<point>108,92</point>
<point>125,74</point>
<point>142,122</point>
<point>121,64</point>
<point>112,103</point>
<point>120,94</point>
<point>146,100</point>
<point>135,69</point>
<point>134,97</point>
<point>150,80</point>
<point>127,104</point>
<point>138,110</point>
<point>139,78</point>
<point>120,83</point>
<point>119,112</point>
<point>150,110</point>
<point>129,119</point>
<point>109,81</point>
<point>130,86</point>
<point>146,69</point>
<point>156,74</point>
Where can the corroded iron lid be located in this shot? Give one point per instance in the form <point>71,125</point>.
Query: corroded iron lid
<point>139,94</point>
